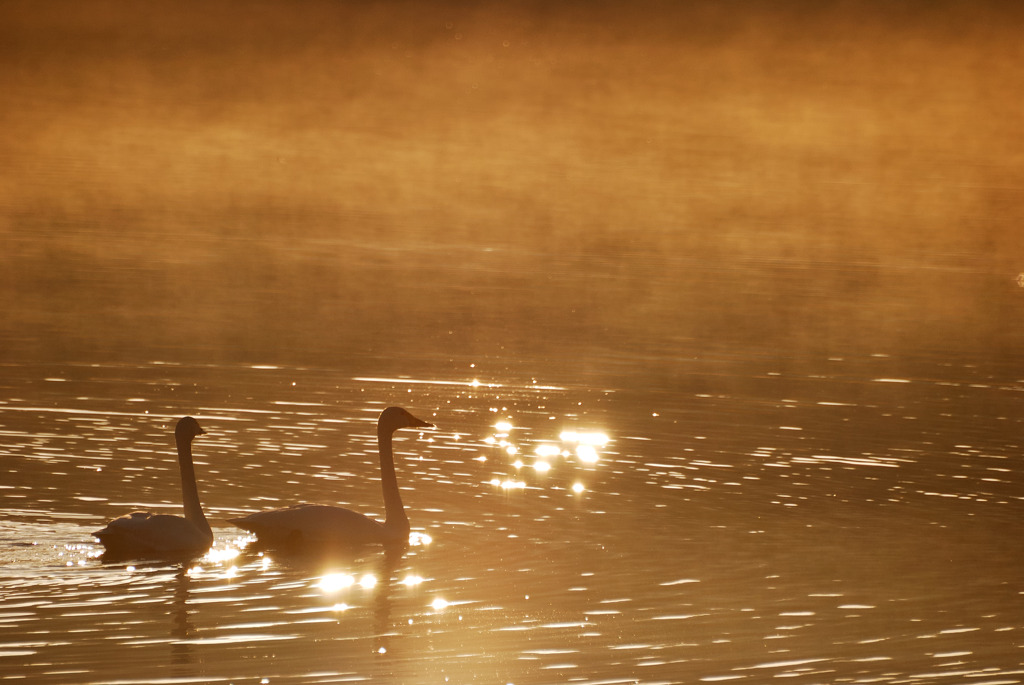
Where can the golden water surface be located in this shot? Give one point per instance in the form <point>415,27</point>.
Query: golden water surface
<point>716,308</point>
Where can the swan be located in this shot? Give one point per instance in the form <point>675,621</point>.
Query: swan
<point>145,535</point>
<point>320,524</point>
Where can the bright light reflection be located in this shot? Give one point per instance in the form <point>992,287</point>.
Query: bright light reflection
<point>419,539</point>
<point>411,580</point>
<point>585,438</point>
<point>503,426</point>
<point>587,453</point>
<point>438,604</point>
<point>219,555</point>
<point>332,582</point>
<point>577,487</point>
<point>367,581</point>
<point>547,451</point>
<point>542,466</point>
<point>511,450</point>
<point>507,484</point>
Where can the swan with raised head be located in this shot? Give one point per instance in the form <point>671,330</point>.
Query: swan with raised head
<point>321,524</point>
<point>145,535</point>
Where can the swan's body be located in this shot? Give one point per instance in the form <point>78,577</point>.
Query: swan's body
<point>320,524</point>
<point>145,535</point>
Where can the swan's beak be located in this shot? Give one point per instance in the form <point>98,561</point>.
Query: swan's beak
<point>421,424</point>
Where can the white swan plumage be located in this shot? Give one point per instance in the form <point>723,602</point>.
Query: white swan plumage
<point>144,535</point>
<point>321,524</point>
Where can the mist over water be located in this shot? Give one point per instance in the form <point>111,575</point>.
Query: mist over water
<point>716,307</point>
<point>254,181</point>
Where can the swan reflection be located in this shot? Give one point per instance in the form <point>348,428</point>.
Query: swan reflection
<point>347,586</point>
<point>182,629</point>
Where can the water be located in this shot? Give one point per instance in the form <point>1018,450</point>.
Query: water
<point>716,313</point>
<point>823,541</point>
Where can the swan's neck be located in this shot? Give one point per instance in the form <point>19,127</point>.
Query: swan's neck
<point>189,491</point>
<point>394,512</point>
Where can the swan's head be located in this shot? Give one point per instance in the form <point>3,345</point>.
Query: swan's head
<point>393,418</point>
<point>187,429</point>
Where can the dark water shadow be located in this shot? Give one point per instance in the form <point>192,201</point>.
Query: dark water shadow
<point>299,552</point>
<point>181,625</point>
<point>182,629</point>
<point>113,557</point>
<point>316,560</point>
